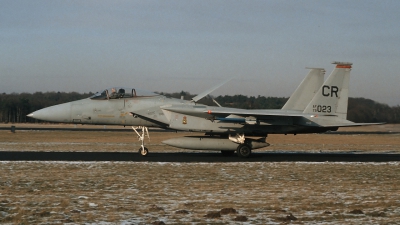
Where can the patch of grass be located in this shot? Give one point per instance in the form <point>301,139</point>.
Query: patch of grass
<point>260,191</point>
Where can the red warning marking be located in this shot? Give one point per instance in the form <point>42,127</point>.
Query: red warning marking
<point>344,66</point>
<point>209,111</point>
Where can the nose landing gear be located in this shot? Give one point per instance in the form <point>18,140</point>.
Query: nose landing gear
<point>144,132</point>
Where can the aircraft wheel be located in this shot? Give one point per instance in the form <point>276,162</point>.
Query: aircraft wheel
<point>228,153</point>
<point>143,151</point>
<point>243,151</point>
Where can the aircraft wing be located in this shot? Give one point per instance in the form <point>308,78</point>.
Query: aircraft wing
<point>209,112</point>
<point>234,115</point>
<point>237,116</point>
<point>251,112</point>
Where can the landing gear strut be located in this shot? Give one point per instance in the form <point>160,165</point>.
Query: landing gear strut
<point>145,132</point>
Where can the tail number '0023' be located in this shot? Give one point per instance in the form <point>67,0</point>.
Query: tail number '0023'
<point>322,108</point>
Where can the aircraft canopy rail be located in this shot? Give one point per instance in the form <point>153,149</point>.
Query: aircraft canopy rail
<point>121,92</point>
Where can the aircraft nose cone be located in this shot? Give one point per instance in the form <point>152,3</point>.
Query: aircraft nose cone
<point>57,113</point>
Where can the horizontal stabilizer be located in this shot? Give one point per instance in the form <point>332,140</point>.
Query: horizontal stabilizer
<point>359,124</point>
<point>353,124</point>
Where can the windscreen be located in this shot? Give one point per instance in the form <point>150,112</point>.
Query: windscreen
<point>121,92</point>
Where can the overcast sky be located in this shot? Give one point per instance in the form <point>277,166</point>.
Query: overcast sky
<point>171,46</point>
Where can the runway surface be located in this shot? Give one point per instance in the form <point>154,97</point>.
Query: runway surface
<point>196,157</point>
<point>128,129</point>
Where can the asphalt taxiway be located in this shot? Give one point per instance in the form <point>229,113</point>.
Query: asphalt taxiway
<point>275,156</point>
<point>196,157</point>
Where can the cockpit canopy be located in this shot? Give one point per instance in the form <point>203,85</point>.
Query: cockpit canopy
<point>121,92</point>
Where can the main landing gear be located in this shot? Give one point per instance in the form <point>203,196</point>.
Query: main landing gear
<point>245,146</point>
<point>243,150</point>
<point>144,132</point>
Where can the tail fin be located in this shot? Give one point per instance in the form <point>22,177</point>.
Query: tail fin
<point>332,97</point>
<point>306,90</point>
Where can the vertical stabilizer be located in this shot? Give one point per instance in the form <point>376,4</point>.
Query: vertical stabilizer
<point>332,97</point>
<point>306,90</point>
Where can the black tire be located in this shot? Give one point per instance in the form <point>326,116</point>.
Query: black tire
<point>227,153</point>
<point>243,151</point>
<point>145,152</point>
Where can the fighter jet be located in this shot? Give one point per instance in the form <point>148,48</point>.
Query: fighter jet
<point>316,106</point>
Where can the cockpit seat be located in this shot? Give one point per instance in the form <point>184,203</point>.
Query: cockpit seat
<point>121,93</point>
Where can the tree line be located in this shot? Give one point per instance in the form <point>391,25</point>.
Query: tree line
<point>14,107</point>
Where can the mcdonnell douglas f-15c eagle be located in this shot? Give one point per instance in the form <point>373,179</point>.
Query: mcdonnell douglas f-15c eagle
<point>315,106</point>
